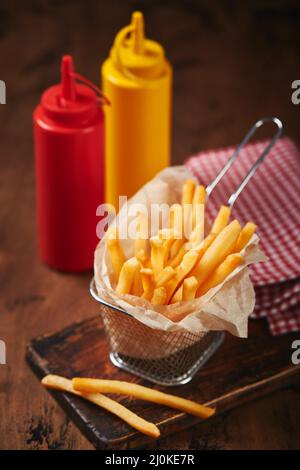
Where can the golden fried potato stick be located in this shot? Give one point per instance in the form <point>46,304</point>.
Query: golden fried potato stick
<point>141,236</point>
<point>126,277</point>
<point>55,382</point>
<point>176,247</point>
<point>215,254</point>
<point>198,204</point>
<point>157,255</point>
<point>188,192</point>
<point>137,286</point>
<point>143,393</point>
<point>245,236</point>
<point>115,252</point>
<point>187,264</point>
<point>142,257</point>
<point>176,260</point>
<point>221,220</point>
<point>197,234</point>
<point>147,282</point>
<point>164,276</point>
<point>187,291</point>
<point>220,274</point>
<point>176,220</point>
<point>168,237</point>
<point>159,296</point>
<point>189,288</point>
<point>187,205</point>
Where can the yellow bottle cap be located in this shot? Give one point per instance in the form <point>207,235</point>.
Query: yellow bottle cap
<point>134,55</point>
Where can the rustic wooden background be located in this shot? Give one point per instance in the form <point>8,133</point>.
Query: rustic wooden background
<point>233,62</point>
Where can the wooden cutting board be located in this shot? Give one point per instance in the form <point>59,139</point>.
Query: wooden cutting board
<point>241,370</point>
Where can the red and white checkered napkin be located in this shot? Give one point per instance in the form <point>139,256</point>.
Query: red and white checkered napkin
<point>271,199</point>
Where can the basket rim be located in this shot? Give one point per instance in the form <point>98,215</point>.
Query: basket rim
<point>93,292</point>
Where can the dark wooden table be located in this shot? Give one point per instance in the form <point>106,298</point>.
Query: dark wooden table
<point>232,65</point>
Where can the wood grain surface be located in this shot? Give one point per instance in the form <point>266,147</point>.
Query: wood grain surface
<point>233,62</point>
<point>241,370</point>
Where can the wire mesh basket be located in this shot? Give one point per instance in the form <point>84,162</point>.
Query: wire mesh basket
<point>163,357</point>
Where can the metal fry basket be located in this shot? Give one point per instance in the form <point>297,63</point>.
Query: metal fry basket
<point>162,357</point>
<point>171,357</point>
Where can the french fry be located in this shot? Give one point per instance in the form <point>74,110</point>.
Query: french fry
<point>137,287</point>
<point>221,273</point>
<point>56,382</point>
<point>176,219</point>
<point>159,296</point>
<point>126,277</point>
<point>164,276</point>
<point>245,236</point>
<point>168,237</point>
<point>189,288</point>
<point>141,237</point>
<point>221,220</point>
<point>116,252</point>
<point>188,192</point>
<point>197,234</point>
<point>205,244</point>
<point>176,247</point>
<point>187,264</point>
<point>147,282</point>
<point>142,257</point>
<point>215,254</point>
<point>198,205</point>
<point>174,262</point>
<point>187,205</point>
<point>143,393</point>
<point>157,254</point>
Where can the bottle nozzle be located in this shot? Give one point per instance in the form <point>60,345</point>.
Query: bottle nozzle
<point>137,22</point>
<point>67,78</point>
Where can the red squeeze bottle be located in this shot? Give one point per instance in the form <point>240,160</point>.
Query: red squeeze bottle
<point>69,160</point>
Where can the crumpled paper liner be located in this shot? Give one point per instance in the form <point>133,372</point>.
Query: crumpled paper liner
<point>225,307</point>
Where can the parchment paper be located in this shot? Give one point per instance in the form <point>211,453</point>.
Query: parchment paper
<point>225,307</point>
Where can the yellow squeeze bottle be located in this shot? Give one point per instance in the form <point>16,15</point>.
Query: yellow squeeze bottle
<point>137,79</point>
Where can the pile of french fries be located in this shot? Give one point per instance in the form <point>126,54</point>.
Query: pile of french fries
<point>178,265</point>
<point>92,390</point>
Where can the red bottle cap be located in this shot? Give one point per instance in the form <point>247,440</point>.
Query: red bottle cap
<point>70,101</point>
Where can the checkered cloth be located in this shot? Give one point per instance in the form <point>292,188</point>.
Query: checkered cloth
<point>271,199</point>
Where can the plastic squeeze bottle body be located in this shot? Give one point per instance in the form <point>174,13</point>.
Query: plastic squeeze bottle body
<point>137,79</point>
<point>69,158</point>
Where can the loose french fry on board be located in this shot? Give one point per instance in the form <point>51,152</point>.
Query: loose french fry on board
<point>159,296</point>
<point>221,220</point>
<point>56,382</point>
<point>245,236</point>
<point>147,282</point>
<point>220,248</point>
<point>116,253</point>
<point>143,393</point>
<point>126,277</point>
<point>221,273</point>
